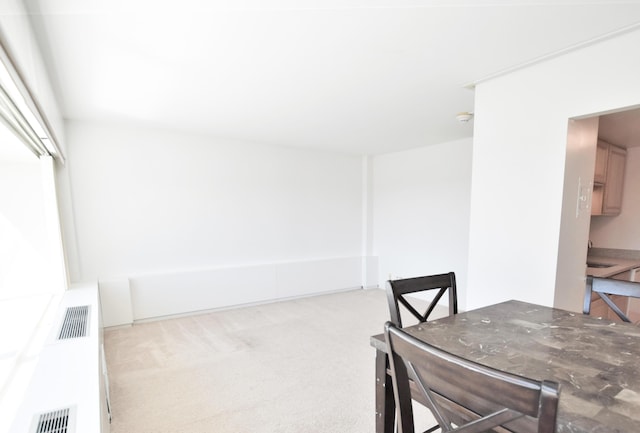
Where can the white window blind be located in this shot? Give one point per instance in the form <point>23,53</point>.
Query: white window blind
<point>21,113</point>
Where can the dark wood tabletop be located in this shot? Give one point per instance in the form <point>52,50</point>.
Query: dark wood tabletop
<point>597,362</point>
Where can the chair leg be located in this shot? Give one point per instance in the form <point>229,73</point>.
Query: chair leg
<point>385,404</point>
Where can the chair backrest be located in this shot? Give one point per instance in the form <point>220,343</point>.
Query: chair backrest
<point>607,286</point>
<point>398,289</point>
<point>465,396</point>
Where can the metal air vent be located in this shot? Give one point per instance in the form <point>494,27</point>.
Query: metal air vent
<point>75,323</point>
<point>57,421</point>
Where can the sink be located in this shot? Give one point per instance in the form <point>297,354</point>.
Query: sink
<point>599,265</point>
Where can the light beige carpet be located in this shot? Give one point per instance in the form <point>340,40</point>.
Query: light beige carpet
<point>296,366</point>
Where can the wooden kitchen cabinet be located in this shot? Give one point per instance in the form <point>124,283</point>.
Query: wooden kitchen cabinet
<point>614,185</point>
<point>608,179</point>
<point>633,310</point>
<point>600,309</point>
<point>602,156</point>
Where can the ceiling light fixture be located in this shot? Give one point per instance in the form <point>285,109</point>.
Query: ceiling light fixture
<point>464,116</point>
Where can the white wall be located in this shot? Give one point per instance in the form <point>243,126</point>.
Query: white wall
<point>622,231</point>
<point>582,139</point>
<point>421,211</point>
<point>148,202</point>
<point>520,140</point>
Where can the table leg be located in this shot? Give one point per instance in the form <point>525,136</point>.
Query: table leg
<point>385,405</point>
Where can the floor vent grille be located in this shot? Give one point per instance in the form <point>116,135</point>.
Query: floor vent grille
<point>56,421</point>
<point>75,323</point>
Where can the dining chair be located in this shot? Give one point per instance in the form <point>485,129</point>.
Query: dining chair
<point>465,396</point>
<point>604,287</point>
<point>397,291</point>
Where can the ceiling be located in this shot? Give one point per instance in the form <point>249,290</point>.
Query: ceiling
<point>621,128</point>
<point>357,76</point>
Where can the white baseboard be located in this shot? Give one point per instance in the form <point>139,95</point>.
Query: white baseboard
<point>181,292</point>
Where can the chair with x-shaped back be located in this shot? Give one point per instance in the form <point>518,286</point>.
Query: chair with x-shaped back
<point>397,291</point>
<point>465,396</point>
<point>605,287</point>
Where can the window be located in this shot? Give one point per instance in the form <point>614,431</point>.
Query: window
<point>32,271</point>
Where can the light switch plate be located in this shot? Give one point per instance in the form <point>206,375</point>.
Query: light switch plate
<point>584,197</point>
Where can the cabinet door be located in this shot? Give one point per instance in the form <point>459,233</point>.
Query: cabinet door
<point>599,309</point>
<point>622,302</point>
<point>602,157</point>
<point>614,185</point>
<point>596,199</point>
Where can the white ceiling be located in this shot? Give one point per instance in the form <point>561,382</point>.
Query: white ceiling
<point>622,128</point>
<point>360,76</point>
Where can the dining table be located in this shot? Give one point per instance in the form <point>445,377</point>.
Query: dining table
<point>595,361</point>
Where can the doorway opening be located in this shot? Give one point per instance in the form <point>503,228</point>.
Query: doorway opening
<point>600,206</point>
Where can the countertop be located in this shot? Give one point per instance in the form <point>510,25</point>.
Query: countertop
<point>620,261</point>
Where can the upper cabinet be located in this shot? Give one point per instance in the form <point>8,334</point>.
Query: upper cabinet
<point>602,156</point>
<point>608,179</point>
